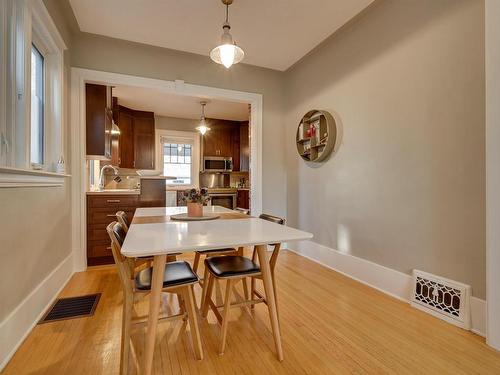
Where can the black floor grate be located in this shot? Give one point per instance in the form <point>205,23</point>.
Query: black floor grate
<point>72,307</point>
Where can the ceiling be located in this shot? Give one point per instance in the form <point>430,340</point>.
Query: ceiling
<point>171,105</point>
<point>274,34</point>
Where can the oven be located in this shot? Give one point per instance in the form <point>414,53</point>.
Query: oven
<point>224,199</point>
<point>217,164</point>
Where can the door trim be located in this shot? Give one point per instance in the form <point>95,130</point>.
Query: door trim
<point>79,184</point>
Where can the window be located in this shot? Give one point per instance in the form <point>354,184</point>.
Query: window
<point>179,153</point>
<point>31,89</point>
<point>177,161</point>
<point>37,107</point>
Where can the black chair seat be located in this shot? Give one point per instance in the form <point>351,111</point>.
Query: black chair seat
<point>176,273</point>
<point>229,266</point>
<point>220,251</point>
<point>151,257</point>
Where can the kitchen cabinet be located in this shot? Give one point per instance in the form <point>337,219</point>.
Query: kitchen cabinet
<point>236,148</point>
<point>244,147</point>
<point>136,141</point>
<point>125,122</point>
<point>218,141</point>
<point>229,139</point>
<point>144,140</point>
<point>98,116</point>
<point>243,199</point>
<point>101,210</point>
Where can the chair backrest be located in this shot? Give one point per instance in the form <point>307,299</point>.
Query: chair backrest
<point>277,246</point>
<point>125,265</point>
<point>244,211</point>
<point>274,219</point>
<point>121,216</point>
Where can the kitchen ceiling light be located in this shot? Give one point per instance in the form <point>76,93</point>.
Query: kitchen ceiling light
<point>227,53</point>
<point>203,128</point>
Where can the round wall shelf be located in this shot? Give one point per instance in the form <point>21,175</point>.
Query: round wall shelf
<point>316,135</point>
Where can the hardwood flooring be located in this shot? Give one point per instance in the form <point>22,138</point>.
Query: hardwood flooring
<point>330,325</point>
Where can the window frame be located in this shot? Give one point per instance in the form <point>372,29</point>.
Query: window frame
<point>185,137</point>
<point>37,44</point>
<point>28,22</point>
<point>183,142</point>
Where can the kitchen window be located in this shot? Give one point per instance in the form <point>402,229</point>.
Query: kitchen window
<point>177,161</point>
<point>37,108</point>
<point>179,154</point>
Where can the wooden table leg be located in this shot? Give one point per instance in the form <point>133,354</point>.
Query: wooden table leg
<point>154,311</point>
<point>271,303</point>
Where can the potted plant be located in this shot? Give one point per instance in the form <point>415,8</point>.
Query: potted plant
<point>195,199</point>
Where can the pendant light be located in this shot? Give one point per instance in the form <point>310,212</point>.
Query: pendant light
<point>203,128</point>
<point>227,53</point>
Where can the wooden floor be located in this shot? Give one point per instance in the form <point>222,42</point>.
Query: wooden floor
<point>330,325</point>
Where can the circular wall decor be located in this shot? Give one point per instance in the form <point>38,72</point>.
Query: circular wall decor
<point>316,135</point>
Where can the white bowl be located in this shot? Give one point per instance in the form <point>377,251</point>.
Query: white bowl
<point>149,172</point>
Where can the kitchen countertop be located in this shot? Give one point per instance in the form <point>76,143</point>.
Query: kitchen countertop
<point>157,177</point>
<point>115,192</point>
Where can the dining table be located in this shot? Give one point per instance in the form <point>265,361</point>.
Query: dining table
<point>153,233</point>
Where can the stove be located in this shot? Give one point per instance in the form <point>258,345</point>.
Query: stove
<point>225,197</point>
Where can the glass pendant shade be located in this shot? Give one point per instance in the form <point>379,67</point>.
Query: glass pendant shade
<point>227,53</point>
<point>203,128</point>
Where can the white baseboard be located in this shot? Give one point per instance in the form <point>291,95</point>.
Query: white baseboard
<point>478,316</point>
<point>394,283</point>
<point>19,323</point>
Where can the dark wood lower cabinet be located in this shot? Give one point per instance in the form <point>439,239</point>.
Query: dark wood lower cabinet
<point>101,210</point>
<point>243,199</point>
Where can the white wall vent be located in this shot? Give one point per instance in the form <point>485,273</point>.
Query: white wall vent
<point>446,299</point>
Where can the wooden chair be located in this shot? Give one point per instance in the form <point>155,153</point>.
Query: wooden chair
<point>232,268</point>
<point>217,252</point>
<point>179,278</point>
<point>272,261</point>
<point>122,218</point>
<point>244,211</point>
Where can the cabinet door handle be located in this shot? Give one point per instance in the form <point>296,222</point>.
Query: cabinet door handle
<point>111,215</point>
<point>108,248</point>
<point>113,201</point>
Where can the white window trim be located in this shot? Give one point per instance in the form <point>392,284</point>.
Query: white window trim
<point>28,20</point>
<point>181,136</point>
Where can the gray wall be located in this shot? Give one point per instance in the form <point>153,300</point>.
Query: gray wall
<point>119,56</point>
<point>174,123</point>
<point>35,234</point>
<point>407,186</point>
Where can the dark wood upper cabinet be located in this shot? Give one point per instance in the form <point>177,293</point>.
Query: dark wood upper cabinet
<point>125,123</point>
<point>219,140</point>
<point>98,121</point>
<point>236,148</point>
<point>229,139</point>
<point>136,145</point>
<point>244,147</point>
<point>210,144</point>
<point>144,140</point>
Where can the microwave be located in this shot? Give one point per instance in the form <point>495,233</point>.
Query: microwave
<point>217,164</point>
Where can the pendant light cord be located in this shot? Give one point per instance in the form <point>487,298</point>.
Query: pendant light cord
<point>227,13</point>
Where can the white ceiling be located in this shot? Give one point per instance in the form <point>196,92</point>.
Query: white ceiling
<point>170,105</point>
<point>274,33</point>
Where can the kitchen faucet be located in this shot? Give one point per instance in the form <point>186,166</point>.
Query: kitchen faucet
<point>101,176</point>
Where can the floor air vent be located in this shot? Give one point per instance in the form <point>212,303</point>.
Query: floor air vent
<point>443,298</point>
<point>72,307</point>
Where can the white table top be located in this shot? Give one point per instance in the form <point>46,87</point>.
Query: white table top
<point>177,237</point>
